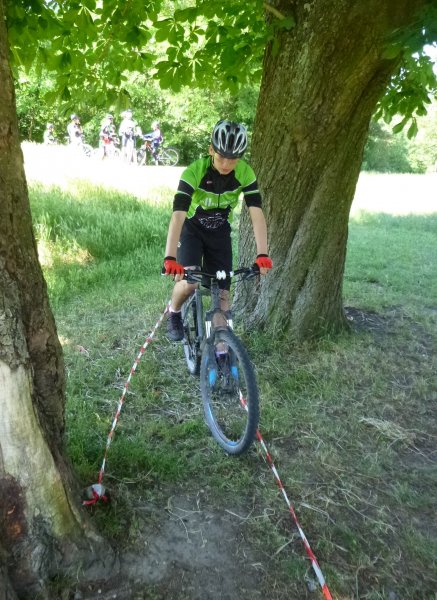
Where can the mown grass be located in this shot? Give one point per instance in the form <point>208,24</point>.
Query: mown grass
<point>350,420</point>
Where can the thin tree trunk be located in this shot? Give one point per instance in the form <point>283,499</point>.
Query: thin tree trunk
<point>319,91</point>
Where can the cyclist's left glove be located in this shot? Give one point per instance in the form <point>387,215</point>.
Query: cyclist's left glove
<point>263,261</point>
<point>172,267</point>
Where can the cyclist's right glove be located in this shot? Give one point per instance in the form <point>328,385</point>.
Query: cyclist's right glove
<point>172,267</point>
<point>263,261</point>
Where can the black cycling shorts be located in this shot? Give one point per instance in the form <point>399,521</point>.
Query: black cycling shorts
<point>210,249</point>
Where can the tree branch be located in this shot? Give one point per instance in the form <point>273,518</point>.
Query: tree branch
<point>274,11</point>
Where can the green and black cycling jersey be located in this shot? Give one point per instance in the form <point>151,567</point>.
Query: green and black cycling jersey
<point>209,198</point>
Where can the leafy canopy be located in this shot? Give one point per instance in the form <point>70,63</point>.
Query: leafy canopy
<point>90,46</point>
<point>415,81</point>
<point>93,44</point>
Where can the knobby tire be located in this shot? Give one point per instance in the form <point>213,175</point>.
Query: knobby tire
<point>232,425</point>
<point>192,322</point>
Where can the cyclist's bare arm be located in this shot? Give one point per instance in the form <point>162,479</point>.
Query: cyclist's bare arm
<point>174,232</point>
<point>259,231</point>
<point>182,289</point>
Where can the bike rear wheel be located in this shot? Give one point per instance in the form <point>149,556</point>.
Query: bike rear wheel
<point>87,150</point>
<point>229,392</point>
<point>141,157</point>
<point>168,157</point>
<point>191,319</point>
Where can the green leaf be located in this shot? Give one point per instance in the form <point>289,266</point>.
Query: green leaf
<point>162,34</point>
<point>65,95</point>
<point>186,14</point>
<point>412,130</point>
<point>65,59</point>
<point>163,24</point>
<point>228,57</point>
<point>392,51</point>
<point>399,126</point>
<point>287,23</point>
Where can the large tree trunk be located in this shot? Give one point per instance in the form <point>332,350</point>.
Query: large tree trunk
<point>39,525</point>
<point>319,90</point>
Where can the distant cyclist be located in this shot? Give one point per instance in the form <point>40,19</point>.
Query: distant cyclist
<point>49,135</point>
<point>107,136</point>
<point>128,131</point>
<point>75,131</point>
<point>156,139</point>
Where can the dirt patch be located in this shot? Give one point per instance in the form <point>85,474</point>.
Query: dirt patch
<point>189,549</point>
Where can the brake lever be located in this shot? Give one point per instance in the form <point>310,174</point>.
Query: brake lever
<point>254,272</point>
<point>192,277</point>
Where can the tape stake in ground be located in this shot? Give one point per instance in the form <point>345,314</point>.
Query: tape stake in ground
<point>96,492</point>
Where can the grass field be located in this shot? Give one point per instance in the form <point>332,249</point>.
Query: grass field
<point>350,420</point>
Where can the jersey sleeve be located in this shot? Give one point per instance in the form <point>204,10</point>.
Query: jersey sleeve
<point>188,182</point>
<point>252,195</point>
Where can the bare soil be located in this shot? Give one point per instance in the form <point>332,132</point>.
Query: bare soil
<point>192,550</point>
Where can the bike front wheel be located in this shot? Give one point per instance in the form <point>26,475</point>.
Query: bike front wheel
<point>229,392</point>
<point>169,157</point>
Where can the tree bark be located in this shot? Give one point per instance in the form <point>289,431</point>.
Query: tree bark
<point>319,90</point>
<point>40,528</point>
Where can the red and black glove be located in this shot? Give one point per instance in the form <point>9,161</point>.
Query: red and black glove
<point>172,267</point>
<point>263,261</point>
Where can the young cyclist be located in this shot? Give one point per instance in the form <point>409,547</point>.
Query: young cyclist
<point>199,233</point>
<point>155,138</point>
<point>128,132</point>
<point>106,136</point>
<point>49,135</point>
<point>74,130</point>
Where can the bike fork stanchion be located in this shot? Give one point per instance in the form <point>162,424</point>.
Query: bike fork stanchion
<point>96,491</point>
<point>315,565</point>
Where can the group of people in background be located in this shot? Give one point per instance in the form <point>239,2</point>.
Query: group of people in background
<point>127,135</point>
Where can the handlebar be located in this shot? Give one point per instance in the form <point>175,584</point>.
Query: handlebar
<point>196,275</point>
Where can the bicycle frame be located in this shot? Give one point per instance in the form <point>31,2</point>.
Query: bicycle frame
<point>227,378</point>
<point>195,276</point>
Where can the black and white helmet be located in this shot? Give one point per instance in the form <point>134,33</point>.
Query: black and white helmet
<point>229,139</point>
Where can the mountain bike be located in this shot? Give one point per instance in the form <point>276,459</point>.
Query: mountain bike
<point>168,157</point>
<point>128,149</point>
<point>227,378</point>
<point>109,147</point>
<point>81,146</point>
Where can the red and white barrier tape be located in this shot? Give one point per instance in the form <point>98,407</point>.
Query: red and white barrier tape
<point>314,563</point>
<point>96,491</point>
